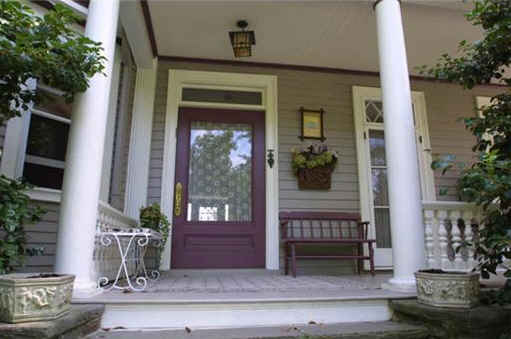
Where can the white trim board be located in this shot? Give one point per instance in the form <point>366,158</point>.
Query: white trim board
<point>267,84</point>
<point>139,156</point>
<point>383,258</point>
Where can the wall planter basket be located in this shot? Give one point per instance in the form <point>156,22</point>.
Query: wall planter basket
<point>318,178</point>
<point>34,297</point>
<point>447,289</point>
<point>313,167</point>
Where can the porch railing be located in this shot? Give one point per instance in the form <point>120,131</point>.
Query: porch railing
<point>449,226</point>
<point>107,259</point>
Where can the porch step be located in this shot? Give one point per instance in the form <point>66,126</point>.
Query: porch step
<point>154,310</point>
<point>362,330</point>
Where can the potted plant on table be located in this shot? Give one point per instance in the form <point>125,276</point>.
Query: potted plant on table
<point>487,182</point>
<point>151,217</point>
<point>313,166</point>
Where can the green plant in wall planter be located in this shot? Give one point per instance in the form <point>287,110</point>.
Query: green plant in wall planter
<point>151,217</point>
<point>313,166</point>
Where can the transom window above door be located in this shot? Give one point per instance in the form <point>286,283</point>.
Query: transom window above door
<point>221,96</point>
<point>374,111</point>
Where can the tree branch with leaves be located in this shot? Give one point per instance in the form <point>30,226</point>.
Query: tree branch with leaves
<point>486,182</point>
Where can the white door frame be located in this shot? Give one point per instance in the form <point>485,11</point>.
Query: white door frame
<point>267,85</point>
<point>383,257</point>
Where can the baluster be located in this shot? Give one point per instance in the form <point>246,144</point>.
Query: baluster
<point>443,226</point>
<point>429,220</point>
<point>468,254</point>
<point>457,261</point>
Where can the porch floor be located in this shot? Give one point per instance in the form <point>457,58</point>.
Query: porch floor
<point>214,286</point>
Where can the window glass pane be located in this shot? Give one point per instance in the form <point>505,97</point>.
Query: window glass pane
<point>382,224</point>
<point>47,138</point>
<point>377,147</point>
<point>380,189</point>
<point>43,176</point>
<point>374,111</point>
<point>222,96</point>
<point>220,172</point>
<point>55,105</point>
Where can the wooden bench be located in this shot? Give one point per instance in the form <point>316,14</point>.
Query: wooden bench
<point>300,228</point>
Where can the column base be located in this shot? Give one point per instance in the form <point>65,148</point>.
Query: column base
<point>85,289</point>
<point>406,285</point>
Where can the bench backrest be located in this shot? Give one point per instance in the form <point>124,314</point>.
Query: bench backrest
<point>322,225</point>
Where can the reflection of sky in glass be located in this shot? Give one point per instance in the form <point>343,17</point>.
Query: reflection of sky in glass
<point>242,150</point>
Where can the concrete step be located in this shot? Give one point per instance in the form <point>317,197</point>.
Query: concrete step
<point>156,310</point>
<point>79,322</point>
<point>361,330</point>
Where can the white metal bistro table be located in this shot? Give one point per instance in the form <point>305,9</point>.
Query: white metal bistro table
<point>132,244</point>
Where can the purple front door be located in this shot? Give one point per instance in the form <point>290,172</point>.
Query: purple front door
<point>219,202</point>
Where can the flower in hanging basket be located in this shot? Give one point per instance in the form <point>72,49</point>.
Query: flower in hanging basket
<point>314,166</point>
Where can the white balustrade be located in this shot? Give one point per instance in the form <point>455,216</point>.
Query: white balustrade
<point>449,225</point>
<point>107,259</point>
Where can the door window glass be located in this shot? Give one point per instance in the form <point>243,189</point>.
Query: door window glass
<point>379,188</point>
<point>220,172</point>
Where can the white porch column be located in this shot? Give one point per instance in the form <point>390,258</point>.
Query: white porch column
<point>82,179</point>
<point>407,229</point>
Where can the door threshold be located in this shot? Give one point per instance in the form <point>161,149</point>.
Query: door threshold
<point>199,272</point>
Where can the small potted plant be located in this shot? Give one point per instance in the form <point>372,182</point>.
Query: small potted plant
<point>151,217</point>
<point>313,166</point>
<point>25,296</point>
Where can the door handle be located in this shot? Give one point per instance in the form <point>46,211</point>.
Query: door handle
<point>178,199</point>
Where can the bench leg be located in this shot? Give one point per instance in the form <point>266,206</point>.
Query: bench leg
<point>360,262</point>
<point>286,258</point>
<point>293,258</point>
<point>371,258</point>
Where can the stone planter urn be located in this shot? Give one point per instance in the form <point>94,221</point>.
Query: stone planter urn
<point>34,296</point>
<point>447,289</point>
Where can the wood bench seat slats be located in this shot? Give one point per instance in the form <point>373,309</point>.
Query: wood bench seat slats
<point>328,228</point>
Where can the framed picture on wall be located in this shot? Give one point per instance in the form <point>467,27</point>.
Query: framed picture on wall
<point>312,124</point>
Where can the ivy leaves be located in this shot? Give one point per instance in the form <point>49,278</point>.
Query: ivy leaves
<point>15,211</point>
<point>47,49</point>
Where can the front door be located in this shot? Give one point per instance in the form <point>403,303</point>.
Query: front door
<point>219,203</point>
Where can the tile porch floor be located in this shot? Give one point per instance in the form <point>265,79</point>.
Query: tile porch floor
<point>189,286</point>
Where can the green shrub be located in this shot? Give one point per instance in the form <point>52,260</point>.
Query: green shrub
<point>15,211</point>
<point>487,182</point>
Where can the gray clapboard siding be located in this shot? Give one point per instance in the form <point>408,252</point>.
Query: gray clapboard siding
<point>43,234</point>
<point>333,92</point>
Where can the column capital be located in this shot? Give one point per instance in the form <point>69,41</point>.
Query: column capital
<point>378,1</point>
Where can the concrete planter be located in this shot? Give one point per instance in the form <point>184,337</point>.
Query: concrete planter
<point>29,297</point>
<point>447,289</point>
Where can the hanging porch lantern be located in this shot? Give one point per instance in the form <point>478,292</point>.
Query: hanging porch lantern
<point>242,41</point>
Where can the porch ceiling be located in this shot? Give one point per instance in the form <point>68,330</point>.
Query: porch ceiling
<point>337,34</point>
